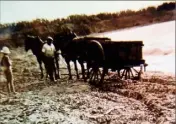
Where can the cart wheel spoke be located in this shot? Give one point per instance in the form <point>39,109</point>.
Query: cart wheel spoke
<point>137,74</point>
<point>99,74</point>
<point>128,73</point>
<point>123,73</point>
<point>95,76</point>
<point>118,72</point>
<point>131,73</point>
<point>135,70</point>
<point>91,74</point>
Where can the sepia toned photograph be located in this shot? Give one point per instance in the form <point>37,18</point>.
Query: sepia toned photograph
<point>87,62</point>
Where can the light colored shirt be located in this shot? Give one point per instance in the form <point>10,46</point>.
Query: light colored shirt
<point>48,50</point>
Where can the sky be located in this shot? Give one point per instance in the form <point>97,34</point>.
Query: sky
<point>14,11</point>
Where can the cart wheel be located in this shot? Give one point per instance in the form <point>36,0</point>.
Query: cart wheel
<point>126,73</point>
<point>138,74</point>
<point>129,73</point>
<point>96,76</point>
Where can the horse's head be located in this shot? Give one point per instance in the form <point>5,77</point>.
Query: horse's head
<point>34,43</point>
<point>27,42</point>
<point>61,40</point>
<point>40,40</point>
<point>57,41</point>
<point>71,35</point>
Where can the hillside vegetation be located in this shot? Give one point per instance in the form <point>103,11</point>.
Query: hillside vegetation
<point>13,34</point>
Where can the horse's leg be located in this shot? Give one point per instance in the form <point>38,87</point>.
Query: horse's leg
<point>46,68</point>
<point>55,66</point>
<point>69,68</point>
<point>57,74</point>
<point>105,70</point>
<point>88,67</point>
<point>52,69</point>
<point>76,68</point>
<point>45,63</point>
<point>58,67</point>
<point>83,69</point>
<point>40,65</point>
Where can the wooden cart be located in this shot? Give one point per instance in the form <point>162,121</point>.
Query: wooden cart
<point>121,57</point>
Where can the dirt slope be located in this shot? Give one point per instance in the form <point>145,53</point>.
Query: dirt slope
<point>38,101</point>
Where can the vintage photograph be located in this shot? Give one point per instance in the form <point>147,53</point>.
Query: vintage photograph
<point>87,62</point>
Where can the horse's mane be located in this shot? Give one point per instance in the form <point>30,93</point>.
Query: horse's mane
<point>30,36</point>
<point>35,37</point>
<point>34,43</point>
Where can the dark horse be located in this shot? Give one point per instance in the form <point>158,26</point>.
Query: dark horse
<point>35,44</point>
<point>73,49</point>
<point>68,50</point>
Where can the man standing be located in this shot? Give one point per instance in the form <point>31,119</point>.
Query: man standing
<point>49,52</point>
<point>7,69</point>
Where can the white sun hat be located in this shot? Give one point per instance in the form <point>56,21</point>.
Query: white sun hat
<point>49,38</point>
<point>5,50</point>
